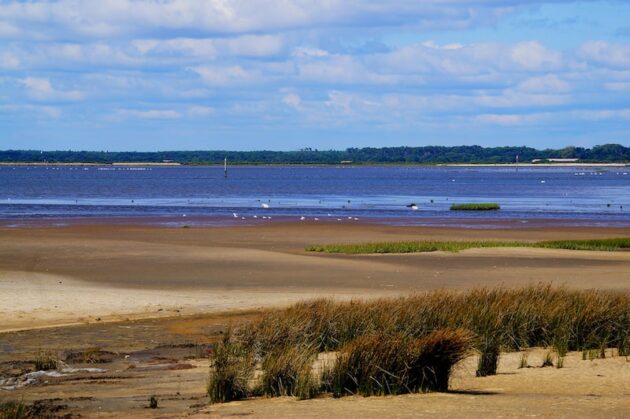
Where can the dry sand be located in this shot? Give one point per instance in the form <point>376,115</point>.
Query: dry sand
<point>87,273</point>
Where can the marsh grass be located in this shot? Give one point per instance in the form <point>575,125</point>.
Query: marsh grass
<point>231,369</point>
<point>606,245</point>
<point>379,343</point>
<point>378,364</point>
<point>475,207</point>
<point>288,372</point>
<point>12,410</point>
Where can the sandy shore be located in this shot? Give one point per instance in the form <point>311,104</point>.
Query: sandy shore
<point>90,273</point>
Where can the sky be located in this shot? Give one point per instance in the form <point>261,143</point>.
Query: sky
<point>330,74</point>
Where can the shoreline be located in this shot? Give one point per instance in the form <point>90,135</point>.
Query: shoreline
<point>224,221</point>
<point>353,165</point>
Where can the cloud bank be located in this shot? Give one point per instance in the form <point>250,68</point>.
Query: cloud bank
<point>289,73</point>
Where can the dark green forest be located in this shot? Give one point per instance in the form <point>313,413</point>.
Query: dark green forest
<point>387,155</point>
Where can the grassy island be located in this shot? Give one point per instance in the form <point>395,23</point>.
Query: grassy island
<point>476,207</point>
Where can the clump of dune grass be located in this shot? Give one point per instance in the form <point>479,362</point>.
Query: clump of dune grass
<point>288,372</point>
<point>606,245</point>
<point>231,369</point>
<point>523,362</point>
<point>13,410</point>
<point>379,364</point>
<point>547,360</point>
<point>488,206</point>
<point>382,338</point>
<point>46,360</point>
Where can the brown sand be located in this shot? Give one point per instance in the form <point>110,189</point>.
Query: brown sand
<point>83,273</point>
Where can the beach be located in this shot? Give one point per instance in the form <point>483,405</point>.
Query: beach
<point>156,298</point>
<point>103,272</point>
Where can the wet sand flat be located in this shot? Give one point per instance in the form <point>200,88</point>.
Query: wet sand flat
<point>87,273</point>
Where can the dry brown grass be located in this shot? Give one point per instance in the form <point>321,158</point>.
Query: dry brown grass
<point>383,335</point>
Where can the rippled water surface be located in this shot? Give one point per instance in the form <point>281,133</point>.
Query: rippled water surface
<point>569,195</point>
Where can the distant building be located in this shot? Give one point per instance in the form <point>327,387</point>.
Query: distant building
<point>555,160</point>
<point>346,162</point>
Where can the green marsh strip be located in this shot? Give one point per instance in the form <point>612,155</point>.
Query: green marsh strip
<point>607,245</point>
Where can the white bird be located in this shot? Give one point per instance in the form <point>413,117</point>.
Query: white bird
<point>264,205</point>
<point>302,218</point>
<point>543,181</point>
<point>356,219</point>
<point>316,219</point>
<point>242,218</point>
<point>414,207</point>
<point>235,215</point>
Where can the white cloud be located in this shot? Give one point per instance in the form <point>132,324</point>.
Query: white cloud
<point>226,76</point>
<point>8,30</point>
<point>9,61</point>
<point>42,89</point>
<point>200,111</point>
<point>210,48</point>
<point>292,100</point>
<point>50,111</point>
<point>97,18</point>
<point>510,119</point>
<point>602,52</point>
<point>147,114</point>
<point>548,83</point>
<point>532,55</point>
<point>618,86</point>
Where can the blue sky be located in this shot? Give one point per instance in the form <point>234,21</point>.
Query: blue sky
<point>288,74</point>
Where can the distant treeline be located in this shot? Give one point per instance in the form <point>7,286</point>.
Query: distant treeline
<point>607,153</point>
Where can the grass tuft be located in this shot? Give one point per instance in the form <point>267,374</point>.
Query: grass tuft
<point>379,364</point>
<point>287,372</point>
<point>231,369</point>
<point>13,410</point>
<point>45,361</point>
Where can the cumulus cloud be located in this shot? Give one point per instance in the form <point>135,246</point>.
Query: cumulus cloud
<point>605,53</point>
<point>42,89</point>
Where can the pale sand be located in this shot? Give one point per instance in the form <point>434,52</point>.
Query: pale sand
<point>34,300</point>
<point>55,276</point>
<point>593,389</point>
<point>589,389</point>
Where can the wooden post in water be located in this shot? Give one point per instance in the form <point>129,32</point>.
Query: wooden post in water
<point>225,167</point>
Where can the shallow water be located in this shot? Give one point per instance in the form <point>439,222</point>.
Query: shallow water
<point>598,197</point>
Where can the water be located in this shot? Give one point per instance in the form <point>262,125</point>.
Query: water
<point>570,196</point>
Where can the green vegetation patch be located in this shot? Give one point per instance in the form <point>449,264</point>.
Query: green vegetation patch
<point>606,245</point>
<point>475,207</point>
